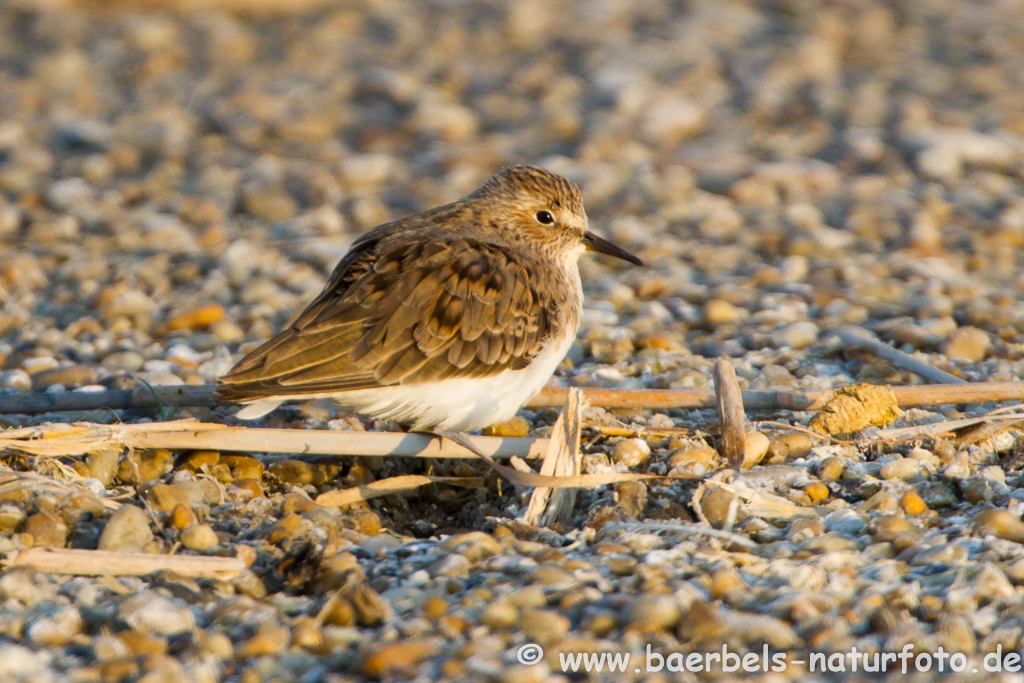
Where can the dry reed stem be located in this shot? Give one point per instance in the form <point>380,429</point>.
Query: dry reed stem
<point>549,506</point>
<point>866,341</point>
<point>388,486</point>
<point>105,563</point>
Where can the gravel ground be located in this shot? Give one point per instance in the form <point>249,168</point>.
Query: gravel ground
<point>174,186</point>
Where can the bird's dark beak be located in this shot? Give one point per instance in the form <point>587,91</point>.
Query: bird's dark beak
<point>603,246</point>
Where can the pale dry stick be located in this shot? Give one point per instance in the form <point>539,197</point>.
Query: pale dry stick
<point>865,340</point>
<point>730,414</point>
<point>682,530</point>
<point>696,399</point>
<point>191,435</point>
<point>550,506</point>
<point>934,428</point>
<point>106,563</point>
<point>386,487</point>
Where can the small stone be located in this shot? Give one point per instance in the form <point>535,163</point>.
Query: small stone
<point>945,553</point>
<point>719,312</point>
<point>967,343</point>
<point>755,448</point>
<point>700,623</point>
<point>242,466</point>
<point>183,516</point>
<point>631,453</point>
<point>164,497</point>
<point>198,318</point>
<point>434,608</point>
<point>55,627</point>
<point>194,461</point>
<point>124,360</point>
<point>725,582</point>
<point>715,505</point>
<point>790,445</point>
<point>693,460</point>
<point>528,596</point>
<point>543,626</point>
<point>451,566</point>
<point>548,574</point>
<point>103,465</point>
<point>653,612</point>
<point>11,518</point>
<point>128,303</point>
<point>912,503</point>
<point>68,376</point>
<point>145,466</point>
<point>816,491</point>
<point>904,468</point>
<point>937,494</point>
<point>127,531</point>
<point>47,529</point>
<point>999,523</point>
<point>269,642</point>
<point>798,335</point>
<point>16,380</point>
<point>673,120</point>
<point>397,656</point>
<point>199,537</point>
<point>516,427</point>
<point>297,472</point>
<point>499,615</point>
<point>887,528</point>
<point>474,545</point>
<point>150,613</point>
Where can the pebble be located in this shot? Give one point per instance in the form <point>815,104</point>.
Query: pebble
<point>474,545</point>
<point>543,626</point>
<point>47,529</point>
<point>517,427</point>
<point>631,453</point>
<point>653,612</point>
<point>499,616</point>
<point>199,537</point>
<point>755,447</point>
<point>999,523</point>
<point>54,627</point>
<point>904,468</point>
<point>967,343</point>
<point>790,446</point>
<point>154,615</point>
<point>126,531</point>
<point>397,656</point>
<point>296,472</point>
<point>102,465</point>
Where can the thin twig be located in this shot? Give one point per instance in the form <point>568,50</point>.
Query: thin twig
<point>105,563</point>
<point>864,339</point>
<point>683,530</point>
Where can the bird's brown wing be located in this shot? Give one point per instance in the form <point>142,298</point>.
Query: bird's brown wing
<point>404,312</point>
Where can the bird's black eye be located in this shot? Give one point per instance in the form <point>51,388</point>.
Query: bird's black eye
<point>544,217</point>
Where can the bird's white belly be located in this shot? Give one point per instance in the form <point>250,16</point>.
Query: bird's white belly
<point>457,405</point>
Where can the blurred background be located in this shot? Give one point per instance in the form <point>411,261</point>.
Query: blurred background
<point>177,178</point>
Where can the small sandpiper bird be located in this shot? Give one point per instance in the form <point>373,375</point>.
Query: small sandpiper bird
<point>446,321</point>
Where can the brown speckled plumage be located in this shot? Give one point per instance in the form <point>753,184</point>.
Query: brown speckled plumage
<point>467,290</point>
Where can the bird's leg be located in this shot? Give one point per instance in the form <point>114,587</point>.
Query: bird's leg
<point>457,437</point>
